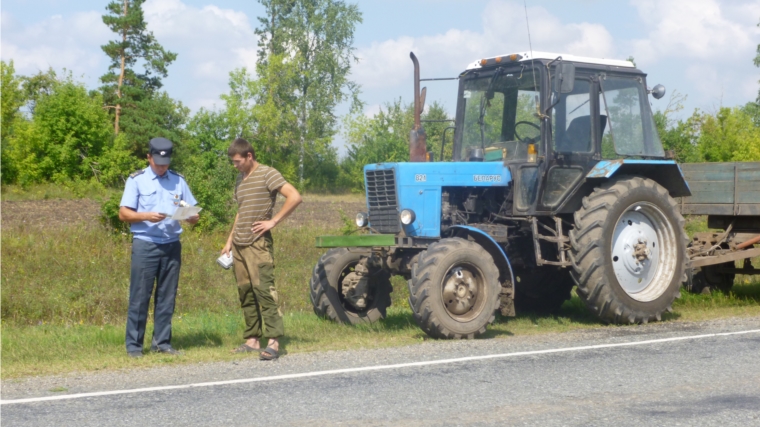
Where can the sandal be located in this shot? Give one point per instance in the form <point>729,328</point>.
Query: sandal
<point>244,348</point>
<point>269,354</point>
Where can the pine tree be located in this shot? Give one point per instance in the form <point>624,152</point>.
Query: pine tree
<point>123,87</point>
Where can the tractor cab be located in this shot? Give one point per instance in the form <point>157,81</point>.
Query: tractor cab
<point>550,119</point>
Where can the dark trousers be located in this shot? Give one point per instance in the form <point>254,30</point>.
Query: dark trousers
<point>159,263</point>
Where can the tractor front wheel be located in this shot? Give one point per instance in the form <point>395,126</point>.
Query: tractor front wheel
<point>454,289</point>
<point>330,295</point>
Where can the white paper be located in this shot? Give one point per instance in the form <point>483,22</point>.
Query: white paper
<point>184,213</point>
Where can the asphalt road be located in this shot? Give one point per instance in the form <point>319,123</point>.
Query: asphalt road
<point>669,374</point>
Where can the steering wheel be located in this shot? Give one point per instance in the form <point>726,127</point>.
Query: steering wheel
<point>526,140</point>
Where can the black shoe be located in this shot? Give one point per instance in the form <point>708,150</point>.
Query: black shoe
<point>135,354</point>
<point>168,350</point>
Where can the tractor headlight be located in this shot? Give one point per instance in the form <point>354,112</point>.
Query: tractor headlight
<point>362,219</point>
<point>407,216</point>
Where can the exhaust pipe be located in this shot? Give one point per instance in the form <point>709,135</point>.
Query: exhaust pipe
<point>417,137</point>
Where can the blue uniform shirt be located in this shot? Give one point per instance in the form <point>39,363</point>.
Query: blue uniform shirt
<point>147,192</point>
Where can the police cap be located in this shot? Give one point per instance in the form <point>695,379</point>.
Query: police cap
<point>161,150</point>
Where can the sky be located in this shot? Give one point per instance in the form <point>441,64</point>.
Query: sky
<point>699,48</point>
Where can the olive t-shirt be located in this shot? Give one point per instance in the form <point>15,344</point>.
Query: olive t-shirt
<point>255,197</point>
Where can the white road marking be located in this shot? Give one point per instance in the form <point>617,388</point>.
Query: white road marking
<point>375,368</point>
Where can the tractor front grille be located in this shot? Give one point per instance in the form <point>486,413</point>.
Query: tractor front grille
<point>383,204</point>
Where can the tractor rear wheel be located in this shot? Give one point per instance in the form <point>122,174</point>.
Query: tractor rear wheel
<point>628,251</point>
<point>454,289</point>
<point>329,279</point>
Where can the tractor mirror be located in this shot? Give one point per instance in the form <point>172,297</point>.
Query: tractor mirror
<point>564,77</point>
<point>658,91</point>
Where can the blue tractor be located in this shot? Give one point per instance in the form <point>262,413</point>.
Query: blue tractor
<point>557,179</point>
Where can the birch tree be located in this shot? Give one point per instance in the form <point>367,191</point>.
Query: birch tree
<point>310,42</point>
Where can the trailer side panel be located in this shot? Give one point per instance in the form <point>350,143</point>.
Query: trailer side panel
<point>731,189</point>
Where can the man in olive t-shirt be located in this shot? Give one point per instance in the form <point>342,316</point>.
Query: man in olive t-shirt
<point>252,248</point>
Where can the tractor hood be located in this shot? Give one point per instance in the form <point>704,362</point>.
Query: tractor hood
<point>393,187</point>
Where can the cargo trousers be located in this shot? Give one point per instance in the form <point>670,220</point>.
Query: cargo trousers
<point>254,273</point>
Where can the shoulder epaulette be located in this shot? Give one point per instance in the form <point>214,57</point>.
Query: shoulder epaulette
<point>177,173</point>
<point>137,173</point>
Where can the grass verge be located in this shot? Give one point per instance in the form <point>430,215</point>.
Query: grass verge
<point>65,291</point>
<point>47,349</point>
<point>80,274</point>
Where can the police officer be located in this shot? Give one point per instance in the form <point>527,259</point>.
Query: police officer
<point>149,196</point>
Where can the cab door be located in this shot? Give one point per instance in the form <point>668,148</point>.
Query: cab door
<point>575,125</point>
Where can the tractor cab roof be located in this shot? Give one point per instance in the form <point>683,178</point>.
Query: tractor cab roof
<point>545,57</point>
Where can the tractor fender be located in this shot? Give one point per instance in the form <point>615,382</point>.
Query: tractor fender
<point>493,248</point>
<point>664,172</point>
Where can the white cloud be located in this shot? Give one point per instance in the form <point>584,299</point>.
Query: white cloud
<point>590,40</point>
<point>703,48</point>
<point>387,63</point>
<point>216,39</point>
<point>749,86</point>
<point>71,42</point>
<point>504,25</point>
<point>711,90</point>
<point>381,64</point>
<point>372,110</point>
<point>210,42</point>
<point>695,29</point>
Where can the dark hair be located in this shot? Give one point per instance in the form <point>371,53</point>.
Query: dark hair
<point>242,147</point>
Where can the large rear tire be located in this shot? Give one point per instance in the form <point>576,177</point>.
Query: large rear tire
<point>326,286</point>
<point>628,251</point>
<point>454,289</point>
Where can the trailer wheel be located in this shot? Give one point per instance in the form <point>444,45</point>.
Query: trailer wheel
<point>326,289</point>
<point>542,290</point>
<point>710,278</point>
<point>454,289</point>
<point>628,251</point>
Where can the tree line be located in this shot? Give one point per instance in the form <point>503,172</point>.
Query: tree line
<point>54,129</point>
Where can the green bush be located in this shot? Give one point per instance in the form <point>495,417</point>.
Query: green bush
<point>63,139</point>
<point>117,162</point>
<point>211,178</point>
<point>109,214</point>
<point>729,136</point>
<point>12,98</point>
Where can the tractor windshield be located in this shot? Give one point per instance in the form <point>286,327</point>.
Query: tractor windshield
<point>499,114</point>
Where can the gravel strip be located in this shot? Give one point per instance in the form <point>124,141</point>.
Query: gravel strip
<point>251,367</point>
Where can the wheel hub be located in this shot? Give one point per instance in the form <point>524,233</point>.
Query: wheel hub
<point>355,290</point>
<point>640,251</point>
<point>635,251</point>
<point>460,291</point>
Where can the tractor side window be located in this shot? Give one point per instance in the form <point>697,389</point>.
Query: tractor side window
<point>572,120</point>
<point>629,129</point>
